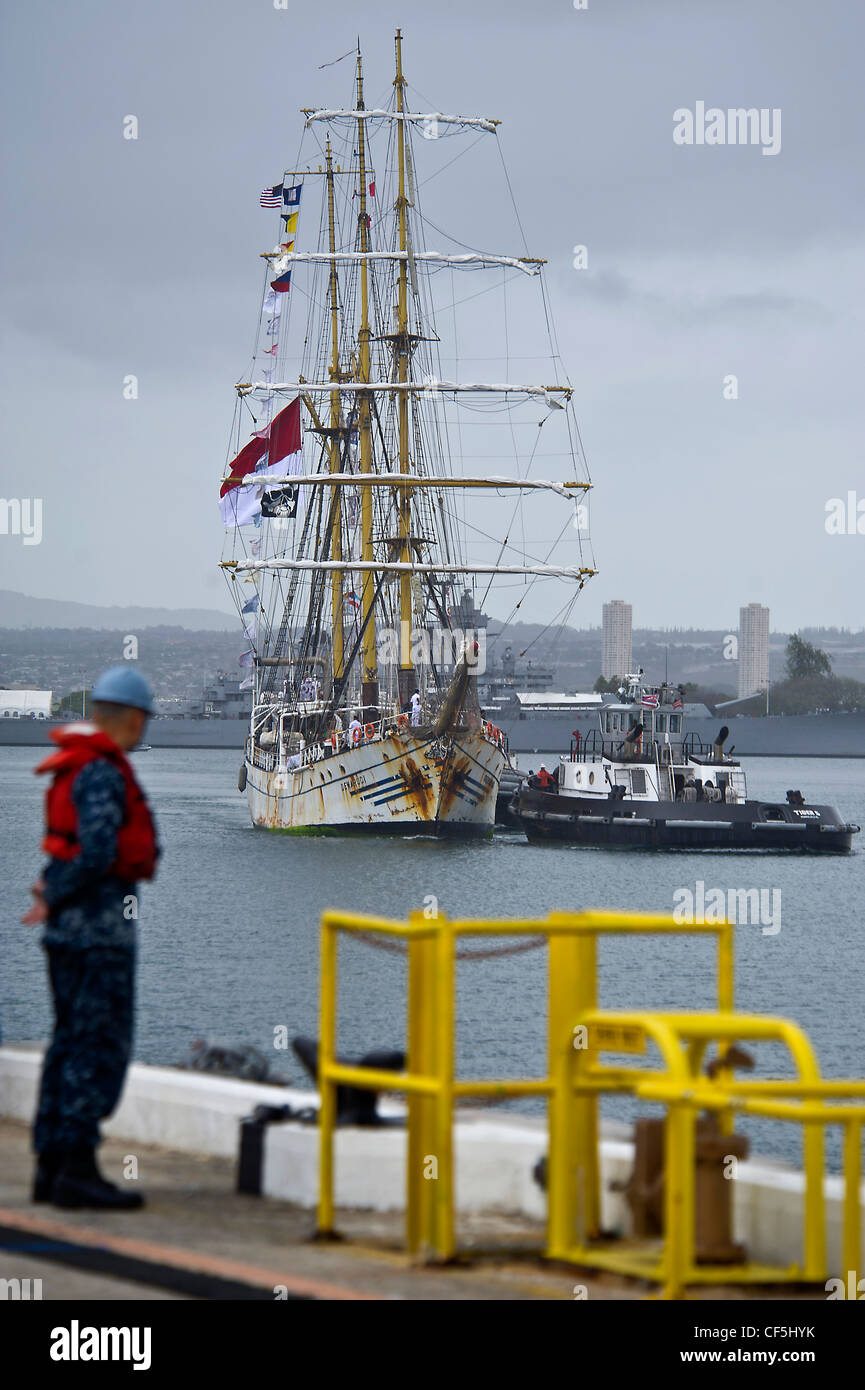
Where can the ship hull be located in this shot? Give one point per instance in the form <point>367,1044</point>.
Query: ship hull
<point>663,825</point>
<point>403,784</point>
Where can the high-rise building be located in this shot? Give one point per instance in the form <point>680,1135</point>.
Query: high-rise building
<point>616,648</point>
<point>753,649</point>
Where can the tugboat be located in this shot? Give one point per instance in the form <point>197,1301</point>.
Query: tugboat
<point>641,782</point>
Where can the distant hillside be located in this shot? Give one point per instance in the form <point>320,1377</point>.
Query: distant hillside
<point>22,611</point>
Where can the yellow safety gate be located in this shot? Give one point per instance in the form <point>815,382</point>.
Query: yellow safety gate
<point>574,1082</point>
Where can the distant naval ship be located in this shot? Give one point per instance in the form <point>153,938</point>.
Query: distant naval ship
<point>516,697</point>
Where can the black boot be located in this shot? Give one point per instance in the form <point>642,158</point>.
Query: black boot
<point>47,1166</point>
<point>79,1183</point>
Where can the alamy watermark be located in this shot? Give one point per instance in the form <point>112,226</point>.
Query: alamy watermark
<point>853,1289</point>
<point>736,126</point>
<point>433,646</point>
<point>743,906</point>
<point>845,516</point>
<point>22,516</point>
<point>22,1290</point>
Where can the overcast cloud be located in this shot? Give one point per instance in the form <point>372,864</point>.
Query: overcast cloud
<point>142,257</point>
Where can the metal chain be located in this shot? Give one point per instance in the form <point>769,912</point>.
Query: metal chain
<point>488,953</point>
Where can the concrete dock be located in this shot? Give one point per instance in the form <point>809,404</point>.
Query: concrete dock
<point>198,1238</point>
<point>245,1246</point>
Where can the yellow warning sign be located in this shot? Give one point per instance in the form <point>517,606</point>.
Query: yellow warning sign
<point>617,1037</point>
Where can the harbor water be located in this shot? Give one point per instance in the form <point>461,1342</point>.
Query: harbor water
<point>229,932</point>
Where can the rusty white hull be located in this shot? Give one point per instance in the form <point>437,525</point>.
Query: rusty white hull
<point>403,783</point>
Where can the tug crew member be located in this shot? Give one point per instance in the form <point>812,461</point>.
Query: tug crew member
<point>545,780</point>
<point>101,839</point>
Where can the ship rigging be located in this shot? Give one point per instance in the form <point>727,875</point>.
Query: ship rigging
<point>354,525</point>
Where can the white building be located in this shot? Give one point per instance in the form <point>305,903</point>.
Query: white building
<point>25,704</point>
<point>753,649</point>
<point>616,648</point>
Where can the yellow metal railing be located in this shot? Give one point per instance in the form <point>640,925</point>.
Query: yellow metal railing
<point>681,1039</point>
<point>429,1082</point>
<point>578,1032</point>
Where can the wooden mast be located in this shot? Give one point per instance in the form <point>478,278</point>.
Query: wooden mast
<point>336,595</point>
<point>369,686</point>
<point>401,348</point>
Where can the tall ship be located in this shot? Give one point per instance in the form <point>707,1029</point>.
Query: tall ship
<point>357,515</point>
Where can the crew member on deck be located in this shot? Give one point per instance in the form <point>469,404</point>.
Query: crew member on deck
<point>101,839</point>
<point>545,779</point>
<point>415,709</point>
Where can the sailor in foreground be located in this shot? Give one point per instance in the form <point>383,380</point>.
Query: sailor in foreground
<point>101,840</point>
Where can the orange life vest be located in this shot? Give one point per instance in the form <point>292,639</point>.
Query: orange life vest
<point>136,839</point>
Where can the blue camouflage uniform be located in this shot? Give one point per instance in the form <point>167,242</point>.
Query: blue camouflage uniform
<point>90,942</point>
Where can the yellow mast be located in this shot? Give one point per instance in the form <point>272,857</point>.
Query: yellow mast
<point>401,344</point>
<point>369,696</point>
<point>335,422</point>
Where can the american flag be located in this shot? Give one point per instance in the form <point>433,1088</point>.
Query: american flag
<point>678,704</point>
<point>649,701</point>
<point>272,197</point>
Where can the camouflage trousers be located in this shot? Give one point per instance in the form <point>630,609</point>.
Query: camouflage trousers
<point>85,1065</point>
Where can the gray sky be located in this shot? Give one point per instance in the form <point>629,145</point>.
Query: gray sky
<point>142,257</point>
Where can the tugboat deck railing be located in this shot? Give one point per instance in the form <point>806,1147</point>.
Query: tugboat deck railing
<point>646,752</point>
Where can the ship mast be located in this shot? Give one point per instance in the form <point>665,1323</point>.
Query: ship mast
<point>401,349</point>
<point>369,688</point>
<point>335,435</point>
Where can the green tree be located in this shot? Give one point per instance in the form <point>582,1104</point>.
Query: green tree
<point>607,687</point>
<point>76,702</point>
<point>805,660</point>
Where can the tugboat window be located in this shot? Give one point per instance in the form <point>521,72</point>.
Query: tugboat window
<point>675,723</point>
<point>638,781</point>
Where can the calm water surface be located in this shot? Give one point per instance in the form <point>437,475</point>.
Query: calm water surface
<point>229,932</point>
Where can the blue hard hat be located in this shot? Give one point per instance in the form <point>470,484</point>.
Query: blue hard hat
<point>123,685</point>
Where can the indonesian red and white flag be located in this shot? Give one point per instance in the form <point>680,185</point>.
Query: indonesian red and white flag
<point>233,499</point>
<point>275,453</point>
